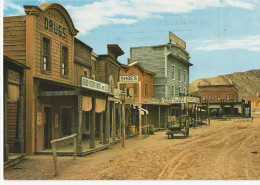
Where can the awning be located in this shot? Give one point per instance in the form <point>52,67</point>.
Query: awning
<point>143,111</point>
<point>100,105</point>
<point>86,103</point>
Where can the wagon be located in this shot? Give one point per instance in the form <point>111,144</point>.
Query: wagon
<point>180,127</point>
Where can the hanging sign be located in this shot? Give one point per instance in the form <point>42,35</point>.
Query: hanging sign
<point>129,78</point>
<point>177,40</point>
<point>173,100</point>
<point>93,85</point>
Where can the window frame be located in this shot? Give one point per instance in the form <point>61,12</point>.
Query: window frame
<point>218,97</point>
<point>179,74</point>
<point>184,76</point>
<point>146,89</point>
<point>173,90</point>
<point>49,56</point>
<point>212,97</point>
<point>66,65</point>
<point>228,97</point>
<point>173,71</point>
<point>204,97</point>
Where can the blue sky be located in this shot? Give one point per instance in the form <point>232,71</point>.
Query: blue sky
<point>222,36</point>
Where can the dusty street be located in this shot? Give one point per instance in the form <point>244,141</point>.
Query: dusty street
<point>220,151</point>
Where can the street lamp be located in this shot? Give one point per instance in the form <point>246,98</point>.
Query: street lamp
<point>122,98</point>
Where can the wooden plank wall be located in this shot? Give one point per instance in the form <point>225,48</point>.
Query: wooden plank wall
<point>56,44</point>
<point>12,110</point>
<point>15,38</point>
<point>101,71</point>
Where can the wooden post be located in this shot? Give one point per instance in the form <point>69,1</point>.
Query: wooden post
<point>79,134</point>
<point>93,123</point>
<point>113,121</point>
<point>140,110</point>
<point>159,117</point>
<point>107,123</point>
<point>54,154</point>
<point>6,146</point>
<point>101,128</point>
<point>75,146</point>
<point>119,120</point>
<point>123,122</point>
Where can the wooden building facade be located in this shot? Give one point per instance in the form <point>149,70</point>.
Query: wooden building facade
<point>14,107</point>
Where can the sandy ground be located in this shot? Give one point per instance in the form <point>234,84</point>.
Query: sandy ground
<point>220,151</point>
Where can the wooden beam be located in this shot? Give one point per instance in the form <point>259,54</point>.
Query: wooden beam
<point>58,93</point>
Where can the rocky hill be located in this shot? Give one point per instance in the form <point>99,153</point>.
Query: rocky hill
<point>247,82</point>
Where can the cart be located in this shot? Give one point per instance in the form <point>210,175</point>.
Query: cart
<point>180,127</point>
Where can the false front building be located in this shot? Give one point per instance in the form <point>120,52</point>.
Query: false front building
<point>170,62</point>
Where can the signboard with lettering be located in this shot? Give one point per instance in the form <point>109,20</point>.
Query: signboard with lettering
<point>153,100</point>
<point>54,27</point>
<point>177,40</point>
<point>173,100</point>
<point>193,100</point>
<point>93,85</point>
<point>129,78</point>
<point>13,77</point>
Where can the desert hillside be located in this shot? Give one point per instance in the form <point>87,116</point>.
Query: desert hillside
<point>247,82</point>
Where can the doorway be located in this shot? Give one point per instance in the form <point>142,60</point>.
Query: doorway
<point>47,127</point>
<point>66,121</point>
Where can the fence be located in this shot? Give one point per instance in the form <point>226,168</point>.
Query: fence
<point>54,151</point>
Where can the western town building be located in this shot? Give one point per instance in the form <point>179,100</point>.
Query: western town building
<point>14,106</point>
<point>131,76</point>
<point>171,65</point>
<point>62,94</point>
<point>224,97</point>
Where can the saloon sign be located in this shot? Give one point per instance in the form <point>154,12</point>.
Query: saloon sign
<point>129,78</point>
<point>173,100</point>
<point>94,85</point>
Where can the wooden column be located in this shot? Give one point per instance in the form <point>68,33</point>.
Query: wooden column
<point>6,146</point>
<point>79,134</point>
<point>101,128</point>
<point>107,123</point>
<point>93,123</point>
<point>119,120</point>
<point>113,121</point>
<point>123,124</point>
<point>19,143</point>
<point>140,111</point>
<point>159,117</point>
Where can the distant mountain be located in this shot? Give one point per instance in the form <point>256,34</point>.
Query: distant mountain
<point>247,82</point>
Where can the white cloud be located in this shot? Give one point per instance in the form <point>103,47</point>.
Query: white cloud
<point>251,43</point>
<point>91,15</point>
<point>9,4</point>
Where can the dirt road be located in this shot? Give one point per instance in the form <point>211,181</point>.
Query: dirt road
<point>220,151</point>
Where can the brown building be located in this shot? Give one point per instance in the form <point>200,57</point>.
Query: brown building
<point>60,96</point>
<point>223,97</point>
<point>14,107</point>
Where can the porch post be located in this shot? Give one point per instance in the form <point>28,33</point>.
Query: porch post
<point>6,146</point>
<point>93,123</point>
<point>101,128</point>
<point>79,134</point>
<point>119,120</point>
<point>107,123</point>
<point>113,121</point>
<point>159,117</point>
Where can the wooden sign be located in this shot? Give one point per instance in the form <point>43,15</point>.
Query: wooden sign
<point>13,77</point>
<point>193,100</point>
<point>39,118</point>
<point>174,100</point>
<point>94,85</point>
<point>177,40</point>
<point>54,27</point>
<point>129,78</point>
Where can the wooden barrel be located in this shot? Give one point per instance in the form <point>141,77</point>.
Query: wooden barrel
<point>131,129</point>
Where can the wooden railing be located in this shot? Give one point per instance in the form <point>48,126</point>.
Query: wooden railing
<point>54,151</point>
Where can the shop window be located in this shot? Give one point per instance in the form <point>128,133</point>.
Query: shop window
<point>173,90</point>
<point>203,97</point>
<point>173,71</point>
<point>64,61</point>
<point>212,97</point>
<point>228,96</point>
<point>85,73</point>
<point>46,55</point>
<point>145,89</point>
<point>184,76</point>
<point>218,97</point>
<point>179,74</point>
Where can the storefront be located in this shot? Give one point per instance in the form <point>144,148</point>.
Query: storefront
<point>13,107</point>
